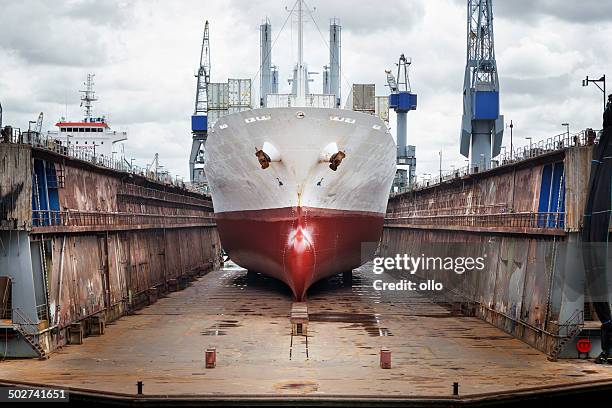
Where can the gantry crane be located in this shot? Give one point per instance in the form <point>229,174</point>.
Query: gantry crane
<point>199,119</point>
<point>402,100</point>
<point>482,126</point>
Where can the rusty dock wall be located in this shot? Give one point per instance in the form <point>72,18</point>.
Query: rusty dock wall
<point>83,244</point>
<point>526,215</point>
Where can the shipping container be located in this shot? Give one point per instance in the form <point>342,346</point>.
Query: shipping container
<point>239,92</point>
<point>382,107</point>
<point>218,95</point>
<point>363,97</point>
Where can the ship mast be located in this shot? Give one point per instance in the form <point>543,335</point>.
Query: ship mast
<point>88,96</point>
<point>301,77</point>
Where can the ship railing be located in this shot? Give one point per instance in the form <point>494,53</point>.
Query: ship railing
<point>69,218</point>
<point>558,142</point>
<point>501,220</point>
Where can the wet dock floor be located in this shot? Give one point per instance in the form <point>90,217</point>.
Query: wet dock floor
<point>247,321</point>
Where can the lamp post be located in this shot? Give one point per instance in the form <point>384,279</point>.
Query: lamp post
<point>440,166</point>
<point>587,81</point>
<point>567,129</point>
<point>511,126</point>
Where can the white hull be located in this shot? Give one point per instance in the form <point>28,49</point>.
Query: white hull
<point>301,178</point>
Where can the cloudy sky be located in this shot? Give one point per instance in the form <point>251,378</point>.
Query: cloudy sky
<point>144,55</point>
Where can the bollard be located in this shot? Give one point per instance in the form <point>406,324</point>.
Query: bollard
<point>211,357</point>
<point>385,358</point>
<point>455,388</point>
<point>139,385</point>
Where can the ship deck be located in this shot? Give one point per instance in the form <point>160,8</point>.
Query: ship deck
<point>246,319</point>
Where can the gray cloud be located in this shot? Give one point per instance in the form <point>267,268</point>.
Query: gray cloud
<point>72,34</point>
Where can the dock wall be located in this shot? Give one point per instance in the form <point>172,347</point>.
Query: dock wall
<point>83,245</point>
<point>527,218</point>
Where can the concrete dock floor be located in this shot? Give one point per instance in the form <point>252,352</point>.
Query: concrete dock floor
<point>247,321</point>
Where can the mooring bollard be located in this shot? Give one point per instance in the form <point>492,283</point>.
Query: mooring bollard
<point>211,357</point>
<point>139,385</point>
<point>455,388</point>
<point>385,358</point>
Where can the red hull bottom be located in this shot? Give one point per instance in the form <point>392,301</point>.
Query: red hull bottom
<point>298,245</point>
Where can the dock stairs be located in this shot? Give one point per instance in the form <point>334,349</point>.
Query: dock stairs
<point>573,326</point>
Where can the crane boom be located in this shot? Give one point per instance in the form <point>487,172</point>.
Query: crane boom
<point>203,75</point>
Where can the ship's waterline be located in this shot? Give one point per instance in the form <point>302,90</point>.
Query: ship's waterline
<point>297,219</point>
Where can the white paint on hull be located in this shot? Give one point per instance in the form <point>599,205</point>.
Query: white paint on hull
<point>361,183</point>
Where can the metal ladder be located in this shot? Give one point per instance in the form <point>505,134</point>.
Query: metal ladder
<point>576,328</point>
<point>29,337</point>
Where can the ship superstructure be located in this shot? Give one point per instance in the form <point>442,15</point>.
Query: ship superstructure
<point>92,134</point>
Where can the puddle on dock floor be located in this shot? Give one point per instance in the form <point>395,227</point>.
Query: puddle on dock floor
<point>216,329</point>
<point>368,322</point>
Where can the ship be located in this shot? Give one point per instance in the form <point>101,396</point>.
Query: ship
<point>300,186</point>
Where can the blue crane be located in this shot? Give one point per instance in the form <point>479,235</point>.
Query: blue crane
<point>402,100</point>
<point>199,122</point>
<point>482,126</point>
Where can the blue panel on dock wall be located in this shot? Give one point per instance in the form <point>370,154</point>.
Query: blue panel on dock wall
<point>199,123</point>
<point>486,105</point>
<point>557,194</point>
<point>544,194</point>
<point>39,203</point>
<point>53,193</point>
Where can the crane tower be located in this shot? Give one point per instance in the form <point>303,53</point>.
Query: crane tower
<point>402,100</point>
<point>199,119</point>
<point>482,126</point>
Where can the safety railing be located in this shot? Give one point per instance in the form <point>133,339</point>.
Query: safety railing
<point>41,312</point>
<point>144,192</point>
<point>43,218</point>
<point>572,324</point>
<point>24,321</point>
<point>53,142</point>
<point>535,149</point>
<point>500,220</point>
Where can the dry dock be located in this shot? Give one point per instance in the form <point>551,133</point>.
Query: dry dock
<point>247,321</point>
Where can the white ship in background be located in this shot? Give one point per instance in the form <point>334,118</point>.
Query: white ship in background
<point>299,185</point>
<point>92,134</point>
